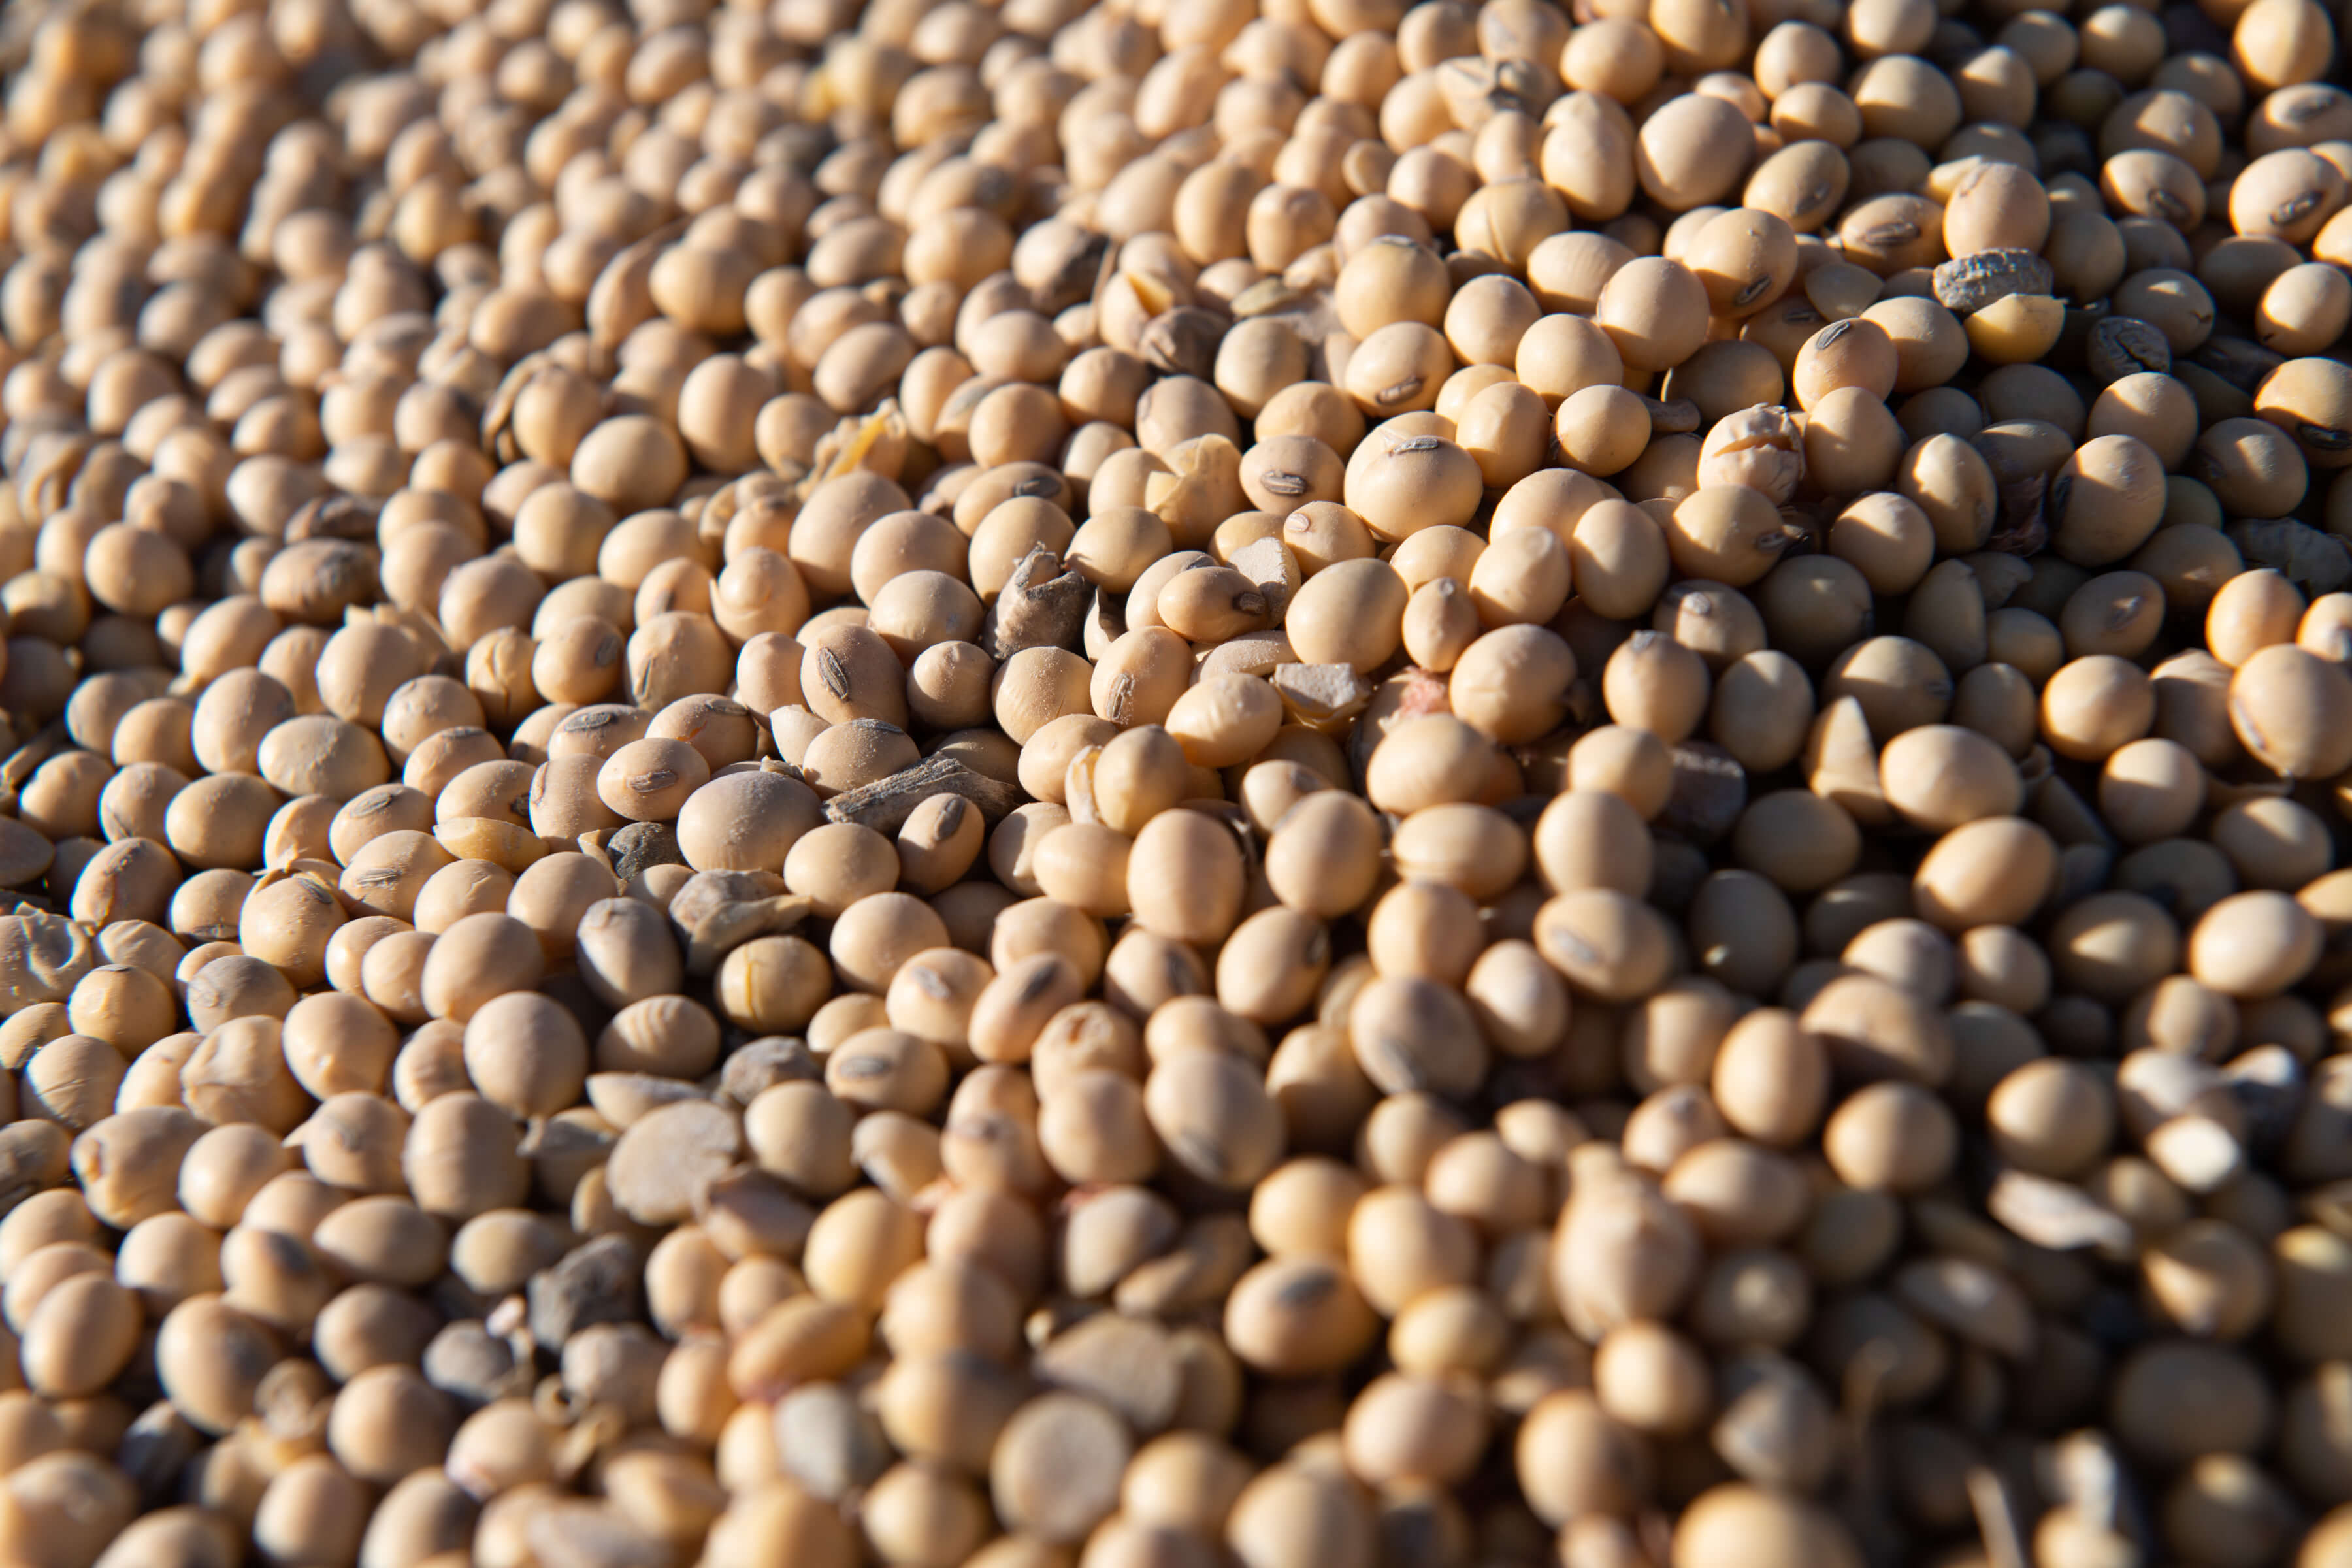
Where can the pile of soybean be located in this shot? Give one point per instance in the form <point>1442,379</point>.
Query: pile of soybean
<point>1175,784</point>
